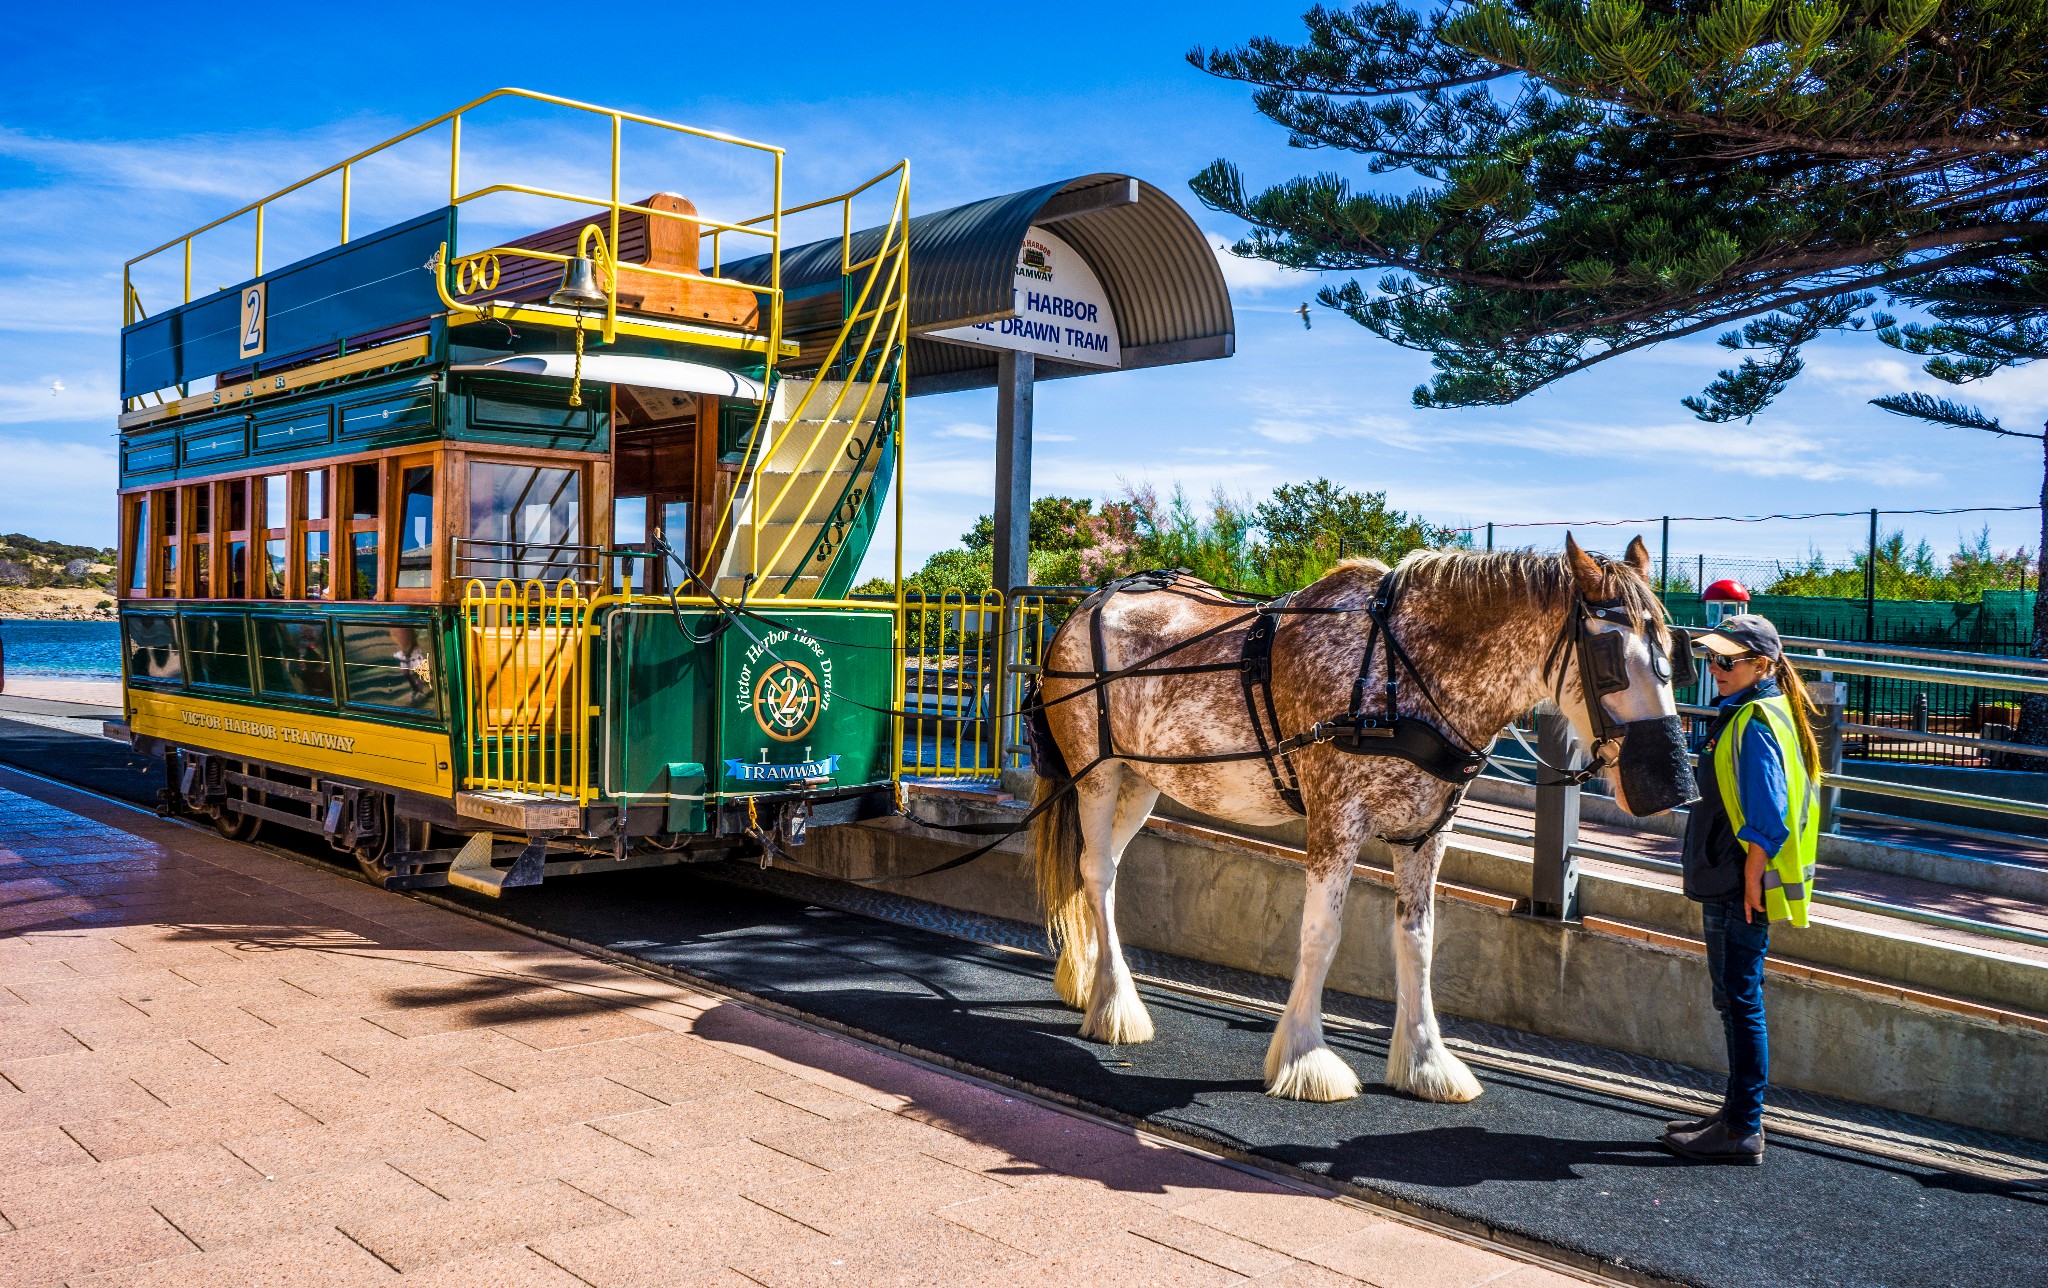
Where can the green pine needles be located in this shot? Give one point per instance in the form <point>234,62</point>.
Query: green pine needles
<point>1586,178</point>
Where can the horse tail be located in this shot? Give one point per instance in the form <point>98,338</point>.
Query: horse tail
<point>1057,856</point>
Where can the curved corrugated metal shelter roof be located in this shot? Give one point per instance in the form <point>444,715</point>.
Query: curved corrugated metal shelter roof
<point>1159,272</point>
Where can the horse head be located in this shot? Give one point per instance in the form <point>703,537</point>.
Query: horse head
<point>1612,668</point>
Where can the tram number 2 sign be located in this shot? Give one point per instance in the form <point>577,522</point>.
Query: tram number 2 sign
<point>255,300</point>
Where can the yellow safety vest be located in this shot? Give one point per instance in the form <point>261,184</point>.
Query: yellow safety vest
<point>1788,877</point>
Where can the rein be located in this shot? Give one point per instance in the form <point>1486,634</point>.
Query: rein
<point>1447,756</point>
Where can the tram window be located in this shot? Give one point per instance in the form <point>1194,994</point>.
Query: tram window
<point>235,582</point>
<point>138,545</point>
<point>675,524</point>
<point>201,541</point>
<point>629,532</point>
<point>388,667</point>
<point>167,504</point>
<point>276,533</point>
<point>217,646</point>
<point>273,568</point>
<point>153,653</point>
<point>316,565</point>
<point>362,504</point>
<point>238,570</point>
<point>525,520</point>
<point>363,565</point>
<point>315,532</point>
<point>365,501</point>
<point>292,659</point>
<point>416,527</point>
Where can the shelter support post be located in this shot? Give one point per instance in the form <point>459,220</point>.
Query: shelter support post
<point>1554,886</point>
<point>1015,375</point>
<point>1829,698</point>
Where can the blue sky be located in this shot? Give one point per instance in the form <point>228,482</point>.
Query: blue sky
<point>122,131</point>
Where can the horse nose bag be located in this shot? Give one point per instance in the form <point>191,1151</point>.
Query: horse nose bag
<point>1655,766</point>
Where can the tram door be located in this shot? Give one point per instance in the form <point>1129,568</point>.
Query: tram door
<point>654,483</point>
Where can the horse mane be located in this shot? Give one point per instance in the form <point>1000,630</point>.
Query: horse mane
<point>1497,579</point>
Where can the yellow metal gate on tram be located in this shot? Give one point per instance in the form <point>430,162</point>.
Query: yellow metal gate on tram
<point>967,663</point>
<point>527,688</point>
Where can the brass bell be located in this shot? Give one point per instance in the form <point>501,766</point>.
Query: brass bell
<point>579,289</point>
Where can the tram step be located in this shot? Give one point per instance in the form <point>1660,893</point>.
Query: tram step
<point>472,868</point>
<point>520,811</point>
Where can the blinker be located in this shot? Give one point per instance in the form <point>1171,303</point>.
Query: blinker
<point>1685,669</point>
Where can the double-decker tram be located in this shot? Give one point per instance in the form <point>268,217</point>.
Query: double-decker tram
<point>493,556</point>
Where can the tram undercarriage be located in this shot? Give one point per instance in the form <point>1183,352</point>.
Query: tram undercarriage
<point>411,841</point>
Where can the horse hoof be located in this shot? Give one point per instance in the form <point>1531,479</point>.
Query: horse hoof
<point>1317,1075</point>
<point>1439,1076</point>
<point>1120,1021</point>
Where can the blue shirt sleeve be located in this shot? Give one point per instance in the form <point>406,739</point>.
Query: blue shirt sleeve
<point>1760,778</point>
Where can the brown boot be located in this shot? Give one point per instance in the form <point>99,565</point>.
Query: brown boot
<point>1716,1143</point>
<point>1687,1126</point>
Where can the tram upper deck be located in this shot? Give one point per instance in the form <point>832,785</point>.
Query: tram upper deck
<point>405,494</point>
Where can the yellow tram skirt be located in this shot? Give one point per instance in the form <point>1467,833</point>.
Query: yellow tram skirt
<point>415,759</point>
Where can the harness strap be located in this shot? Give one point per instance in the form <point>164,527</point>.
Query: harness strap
<point>1105,744</point>
<point>1256,677</point>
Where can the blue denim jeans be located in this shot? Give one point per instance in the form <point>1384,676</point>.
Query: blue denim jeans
<point>1735,963</point>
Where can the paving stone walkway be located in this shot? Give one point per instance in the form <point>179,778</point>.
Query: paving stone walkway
<point>221,1067</point>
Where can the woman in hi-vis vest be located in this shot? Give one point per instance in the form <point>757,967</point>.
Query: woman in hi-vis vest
<point>1749,847</point>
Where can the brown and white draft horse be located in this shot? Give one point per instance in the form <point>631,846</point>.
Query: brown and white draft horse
<point>1488,634</point>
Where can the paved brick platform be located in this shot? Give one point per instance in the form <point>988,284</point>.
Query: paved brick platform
<point>221,1067</point>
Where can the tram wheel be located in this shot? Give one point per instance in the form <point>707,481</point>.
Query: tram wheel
<point>371,856</point>
<point>233,823</point>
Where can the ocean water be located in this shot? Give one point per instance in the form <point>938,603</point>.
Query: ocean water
<point>62,650</point>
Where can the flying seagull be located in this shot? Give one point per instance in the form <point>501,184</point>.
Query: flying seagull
<point>1302,312</point>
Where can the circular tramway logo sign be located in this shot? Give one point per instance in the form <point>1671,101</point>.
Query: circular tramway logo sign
<point>786,701</point>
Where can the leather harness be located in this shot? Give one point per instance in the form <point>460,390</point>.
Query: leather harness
<point>1385,733</point>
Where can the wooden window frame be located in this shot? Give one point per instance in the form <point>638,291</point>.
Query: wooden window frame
<point>168,574</point>
<point>593,476</point>
<point>261,534</point>
<point>223,506</point>
<point>395,467</point>
<point>198,544</point>
<point>138,541</point>
<point>301,524</point>
<point>348,527</point>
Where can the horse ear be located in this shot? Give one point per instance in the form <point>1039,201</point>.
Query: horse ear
<point>1638,558</point>
<point>1592,578</point>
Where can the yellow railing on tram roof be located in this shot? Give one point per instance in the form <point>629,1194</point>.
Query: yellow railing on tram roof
<point>611,203</point>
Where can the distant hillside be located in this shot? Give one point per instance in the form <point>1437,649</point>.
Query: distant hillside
<point>28,562</point>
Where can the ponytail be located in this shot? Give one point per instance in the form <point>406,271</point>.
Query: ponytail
<point>1804,712</point>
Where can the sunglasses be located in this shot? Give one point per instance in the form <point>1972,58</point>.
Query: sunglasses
<point>1722,663</point>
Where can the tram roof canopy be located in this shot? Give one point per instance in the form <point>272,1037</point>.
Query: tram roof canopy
<point>626,369</point>
<point>1158,270</point>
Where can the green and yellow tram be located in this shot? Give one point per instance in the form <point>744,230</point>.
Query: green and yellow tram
<point>487,556</point>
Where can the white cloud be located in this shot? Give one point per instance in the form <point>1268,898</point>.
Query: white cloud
<point>1253,276</point>
<point>967,430</point>
<point>55,397</point>
<point>58,490</point>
